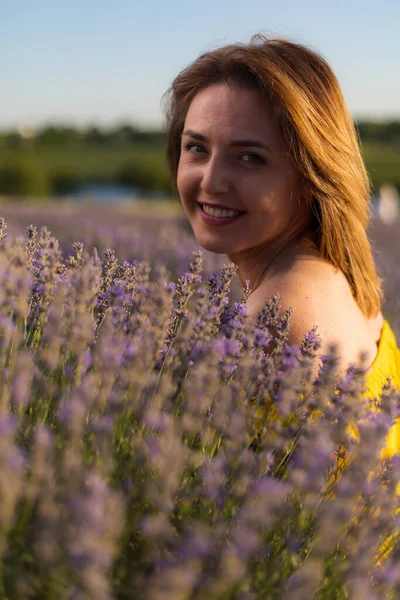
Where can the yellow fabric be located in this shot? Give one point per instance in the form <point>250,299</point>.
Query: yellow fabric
<point>386,364</point>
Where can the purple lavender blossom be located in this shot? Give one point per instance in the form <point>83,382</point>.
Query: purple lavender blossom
<point>144,422</point>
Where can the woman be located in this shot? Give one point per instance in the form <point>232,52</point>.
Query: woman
<point>265,158</point>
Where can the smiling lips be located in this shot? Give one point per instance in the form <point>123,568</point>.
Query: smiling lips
<point>220,211</point>
<point>217,216</point>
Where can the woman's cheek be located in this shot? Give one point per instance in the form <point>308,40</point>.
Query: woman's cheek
<point>180,183</point>
<point>185,184</point>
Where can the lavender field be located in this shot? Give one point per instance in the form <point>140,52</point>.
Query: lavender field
<point>152,448</point>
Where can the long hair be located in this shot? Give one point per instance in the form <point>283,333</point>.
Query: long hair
<point>316,124</point>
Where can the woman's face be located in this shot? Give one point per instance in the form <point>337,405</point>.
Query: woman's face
<point>234,155</point>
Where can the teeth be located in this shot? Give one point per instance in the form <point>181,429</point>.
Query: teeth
<point>217,212</point>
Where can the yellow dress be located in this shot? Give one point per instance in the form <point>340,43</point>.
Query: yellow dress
<point>386,364</point>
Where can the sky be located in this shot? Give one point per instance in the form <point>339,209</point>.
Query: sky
<point>99,62</point>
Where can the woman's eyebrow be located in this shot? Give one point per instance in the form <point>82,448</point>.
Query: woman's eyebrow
<point>246,143</point>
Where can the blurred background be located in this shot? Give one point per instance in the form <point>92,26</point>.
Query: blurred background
<point>81,107</point>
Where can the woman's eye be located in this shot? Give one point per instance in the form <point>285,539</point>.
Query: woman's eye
<point>255,159</point>
<point>191,145</point>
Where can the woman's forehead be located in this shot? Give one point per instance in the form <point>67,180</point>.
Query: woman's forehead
<point>229,100</point>
<point>226,111</point>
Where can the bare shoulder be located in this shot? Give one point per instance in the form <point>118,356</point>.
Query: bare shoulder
<point>320,296</point>
<point>313,292</point>
<point>308,287</point>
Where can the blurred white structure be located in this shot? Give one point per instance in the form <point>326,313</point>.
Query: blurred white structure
<point>388,203</point>
<point>27,132</point>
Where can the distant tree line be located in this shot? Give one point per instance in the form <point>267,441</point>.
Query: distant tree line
<point>57,160</point>
<point>56,135</point>
<point>387,132</point>
<point>27,166</point>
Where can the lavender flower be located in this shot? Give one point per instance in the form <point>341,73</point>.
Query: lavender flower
<point>156,444</point>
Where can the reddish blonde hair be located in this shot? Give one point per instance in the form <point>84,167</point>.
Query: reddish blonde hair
<point>314,120</point>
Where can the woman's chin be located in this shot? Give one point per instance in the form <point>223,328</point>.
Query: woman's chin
<point>216,246</point>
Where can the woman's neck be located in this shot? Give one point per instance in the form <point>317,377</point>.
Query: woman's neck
<point>258,264</point>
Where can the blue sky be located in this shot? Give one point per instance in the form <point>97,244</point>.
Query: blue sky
<point>95,61</point>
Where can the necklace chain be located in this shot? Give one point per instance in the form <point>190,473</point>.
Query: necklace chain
<point>288,246</point>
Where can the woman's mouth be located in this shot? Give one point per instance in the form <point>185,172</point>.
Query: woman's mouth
<point>218,216</point>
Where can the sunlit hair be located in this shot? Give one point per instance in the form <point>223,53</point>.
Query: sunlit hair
<point>316,124</point>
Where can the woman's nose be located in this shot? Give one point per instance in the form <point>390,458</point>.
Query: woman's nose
<point>215,178</point>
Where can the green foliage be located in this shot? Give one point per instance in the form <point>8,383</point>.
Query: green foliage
<point>56,136</point>
<point>19,178</point>
<point>64,182</point>
<point>136,175</point>
<point>144,175</point>
<point>387,132</point>
<point>383,163</point>
<point>66,168</point>
<point>64,157</point>
<point>94,135</point>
